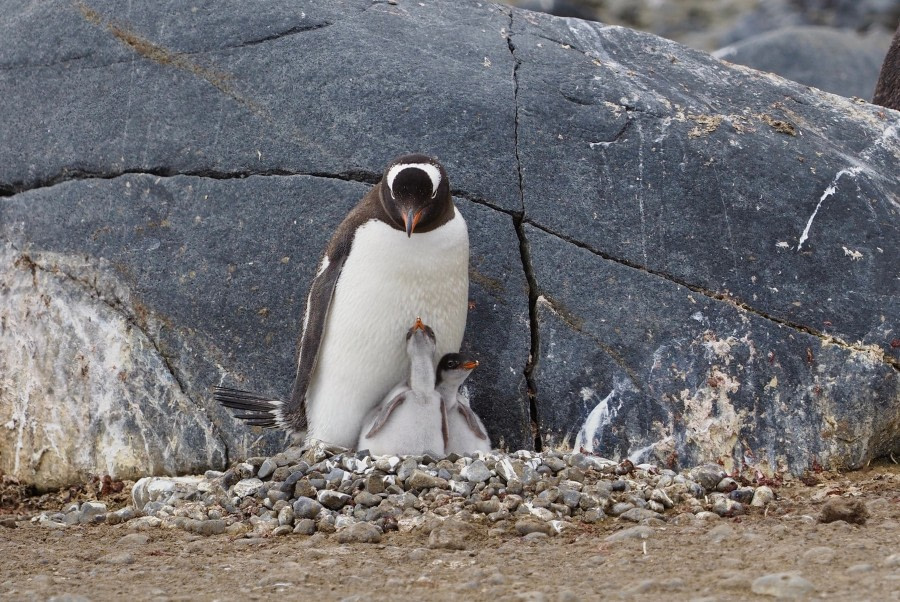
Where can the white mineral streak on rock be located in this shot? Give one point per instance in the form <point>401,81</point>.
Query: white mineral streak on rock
<point>85,392</point>
<point>599,417</point>
<point>832,188</point>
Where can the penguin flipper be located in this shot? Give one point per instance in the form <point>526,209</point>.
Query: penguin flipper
<point>445,424</point>
<point>259,410</point>
<point>382,417</point>
<point>472,420</point>
<point>317,304</point>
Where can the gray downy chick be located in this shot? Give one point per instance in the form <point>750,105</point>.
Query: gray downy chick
<point>466,432</point>
<point>411,419</point>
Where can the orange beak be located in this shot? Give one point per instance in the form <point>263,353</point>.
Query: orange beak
<point>470,365</point>
<point>410,220</point>
<point>419,325</point>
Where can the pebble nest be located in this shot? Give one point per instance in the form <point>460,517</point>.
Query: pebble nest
<point>327,489</point>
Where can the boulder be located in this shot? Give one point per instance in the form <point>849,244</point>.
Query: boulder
<point>837,61</point>
<point>672,258</point>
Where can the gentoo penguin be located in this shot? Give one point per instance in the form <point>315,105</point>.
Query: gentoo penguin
<point>411,419</point>
<point>887,90</point>
<point>465,429</point>
<point>402,252</point>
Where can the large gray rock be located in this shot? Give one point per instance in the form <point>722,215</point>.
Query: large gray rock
<point>708,249</point>
<point>838,61</point>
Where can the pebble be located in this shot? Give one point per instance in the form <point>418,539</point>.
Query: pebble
<point>305,526</point>
<point>134,539</point>
<point>818,555</point>
<point>782,585</point>
<point>247,487</point>
<point>638,532</point>
<point>333,500</point>
<point>420,480</point>
<point>92,512</point>
<point>892,561</point>
<point>360,533</point>
<point>524,526</point>
<point>476,472</point>
<point>267,467</point>
<point>708,476</point>
<point>636,515</point>
<point>325,489</point>
<point>762,496</point>
<point>117,558</point>
<point>848,510</point>
<point>144,522</point>
<point>451,534</point>
<point>305,507</point>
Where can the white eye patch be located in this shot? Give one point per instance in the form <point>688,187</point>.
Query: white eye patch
<point>433,173</point>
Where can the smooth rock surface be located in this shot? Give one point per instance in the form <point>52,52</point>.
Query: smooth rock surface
<point>838,61</point>
<point>690,261</point>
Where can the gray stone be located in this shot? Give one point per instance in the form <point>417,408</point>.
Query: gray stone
<point>420,480</point>
<point>366,499</point>
<point>476,472</point>
<point>163,489</point>
<point>359,533</point>
<point>782,585</point>
<point>838,61</point>
<point>305,526</point>
<point>247,487</point>
<point>708,476</point>
<point>407,468</point>
<point>333,500</point>
<point>144,523</point>
<point>266,468</point>
<point>638,532</point>
<point>305,507</point>
<point>134,539</point>
<point>282,530</point>
<point>117,558</point>
<point>762,496</point>
<point>451,534</point>
<point>527,525</point>
<point>638,514</point>
<point>208,527</point>
<point>620,508</point>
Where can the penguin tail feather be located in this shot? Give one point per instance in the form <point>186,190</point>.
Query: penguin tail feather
<point>257,410</point>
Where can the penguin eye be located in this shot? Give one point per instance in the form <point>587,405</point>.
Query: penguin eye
<point>452,364</point>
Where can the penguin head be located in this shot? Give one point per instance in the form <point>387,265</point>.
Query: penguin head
<point>420,337</point>
<point>455,368</point>
<point>415,193</point>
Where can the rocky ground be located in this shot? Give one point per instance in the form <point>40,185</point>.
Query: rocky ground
<point>577,528</point>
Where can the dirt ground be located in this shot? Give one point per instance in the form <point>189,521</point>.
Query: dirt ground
<point>690,560</point>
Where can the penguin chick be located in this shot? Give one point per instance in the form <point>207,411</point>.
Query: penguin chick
<point>466,432</point>
<point>402,252</point>
<point>411,419</point>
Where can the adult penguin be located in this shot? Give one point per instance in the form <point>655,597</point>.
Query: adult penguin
<point>401,253</point>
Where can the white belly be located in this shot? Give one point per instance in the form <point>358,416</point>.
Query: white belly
<point>413,428</point>
<point>387,281</point>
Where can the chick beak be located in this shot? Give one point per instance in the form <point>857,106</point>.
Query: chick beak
<point>419,325</point>
<point>470,365</point>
